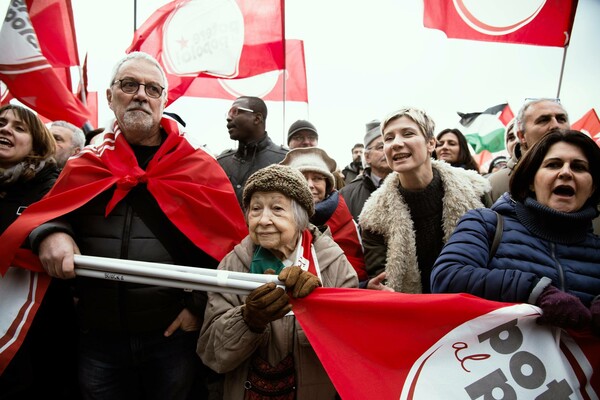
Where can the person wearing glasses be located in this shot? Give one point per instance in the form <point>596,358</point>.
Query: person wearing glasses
<point>246,123</point>
<point>535,119</point>
<point>405,223</point>
<point>144,194</point>
<point>377,169</point>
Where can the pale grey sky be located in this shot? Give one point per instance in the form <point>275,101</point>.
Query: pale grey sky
<point>365,59</point>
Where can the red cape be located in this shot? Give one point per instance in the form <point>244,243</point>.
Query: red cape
<point>188,184</point>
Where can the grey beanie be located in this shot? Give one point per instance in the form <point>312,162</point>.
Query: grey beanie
<point>301,125</point>
<point>373,131</point>
<point>283,179</point>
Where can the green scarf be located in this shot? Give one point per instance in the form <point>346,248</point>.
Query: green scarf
<point>264,260</point>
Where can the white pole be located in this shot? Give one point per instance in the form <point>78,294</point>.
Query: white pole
<point>157,282</point>
<point>170,275</point>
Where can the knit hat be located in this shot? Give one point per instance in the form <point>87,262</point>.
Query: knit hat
<point>373,131</point>
<point>312,159</point>
<point>283,179</point>
<point>301,125</point>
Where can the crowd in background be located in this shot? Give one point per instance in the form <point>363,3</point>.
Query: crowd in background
<point>412,212</point>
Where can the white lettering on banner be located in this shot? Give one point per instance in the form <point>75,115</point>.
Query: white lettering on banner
<point>505,355</point>
<point>204,36</point>
<point>18,41</point>
<point>498,17</point>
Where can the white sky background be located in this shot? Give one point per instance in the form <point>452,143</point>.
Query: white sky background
<point>365,59</point>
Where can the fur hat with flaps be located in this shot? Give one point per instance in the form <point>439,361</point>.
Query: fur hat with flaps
<point>283,179</point>
<point>312,159</point>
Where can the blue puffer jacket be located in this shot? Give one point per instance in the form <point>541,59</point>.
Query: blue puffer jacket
<point>537,242</point>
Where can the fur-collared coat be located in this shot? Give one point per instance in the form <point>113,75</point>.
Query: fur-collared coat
<point>387,214</point>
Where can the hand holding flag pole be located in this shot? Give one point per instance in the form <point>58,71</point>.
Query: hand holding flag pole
<point>175,276</point>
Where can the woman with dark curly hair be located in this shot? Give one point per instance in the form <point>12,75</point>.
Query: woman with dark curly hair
<point>547,254</point>
<point>453,148</point>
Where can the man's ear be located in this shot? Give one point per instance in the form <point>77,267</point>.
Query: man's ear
<point>109,98</point>
<point>259,117</point>
<point>521,137</point>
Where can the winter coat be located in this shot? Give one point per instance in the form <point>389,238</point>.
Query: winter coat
<point>226,343</point>
<point>110,305</point>
<point>19,195</point>
<point>500,180</point>
<point>248,158</point>
<point>386,213</point>
<point>351,171</point>
<point>357,192</point>
<point>537,243</point>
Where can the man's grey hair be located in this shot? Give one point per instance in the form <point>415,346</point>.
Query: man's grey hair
<point>140,55</point>
<point>521,114</point>
<point>78,139</point>
<point>419,117</point>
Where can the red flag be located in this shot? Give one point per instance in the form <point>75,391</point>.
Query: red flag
<point>538,22</point>
<point>506,115</point>
<point>588,123</point>
<point>27,73</point>
<point>383,345</point>
<point>217,39</point>
<point>55,29</point>
<point>268,86</point>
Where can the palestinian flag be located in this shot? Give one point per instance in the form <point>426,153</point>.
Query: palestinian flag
<point>485,130</point>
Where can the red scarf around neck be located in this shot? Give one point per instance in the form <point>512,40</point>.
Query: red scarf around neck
<point>188,184</point>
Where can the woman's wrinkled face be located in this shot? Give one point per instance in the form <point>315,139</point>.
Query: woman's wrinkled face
<point>16,141</point>
<point>271,222</point>
<point>447,148</point>
<point>317,184</point>
<point>563,181</point>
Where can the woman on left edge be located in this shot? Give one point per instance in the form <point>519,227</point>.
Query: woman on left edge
<point>45,362</point>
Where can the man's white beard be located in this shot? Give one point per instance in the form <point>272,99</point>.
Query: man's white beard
<point>134,122</point>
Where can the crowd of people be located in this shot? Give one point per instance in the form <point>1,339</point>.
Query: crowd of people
<point>410,213</point>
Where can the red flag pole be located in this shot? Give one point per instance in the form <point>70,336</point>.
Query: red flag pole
<point>562,70</point>
<point>283,133</point>
<point>134,16</point>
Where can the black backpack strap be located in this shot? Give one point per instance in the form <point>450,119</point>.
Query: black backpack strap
<point>497,235</point>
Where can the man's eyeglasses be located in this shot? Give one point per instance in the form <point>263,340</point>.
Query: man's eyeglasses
<point>234,111</point>
<point>379,147</point>
<point>130,86</point>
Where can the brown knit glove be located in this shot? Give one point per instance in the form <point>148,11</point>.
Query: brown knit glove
<point>298,281</point>
<point>264,304</point>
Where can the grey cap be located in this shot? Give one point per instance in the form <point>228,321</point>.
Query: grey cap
<point>373,131</point>
<point>301,125</point>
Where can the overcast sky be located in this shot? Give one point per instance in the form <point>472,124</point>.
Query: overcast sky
<point>365,59</point>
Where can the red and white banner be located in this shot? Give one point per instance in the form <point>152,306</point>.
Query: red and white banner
<point>280,85</point>
<point>219,39</point>
<point>536,22</point>
<point>589,123</point>
<point>383,345</point>
<point>25,69</point>
<point>21,292</point>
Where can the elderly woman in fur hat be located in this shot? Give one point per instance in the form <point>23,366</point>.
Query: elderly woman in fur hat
<point>245,335</point>
<point>408,219</point>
